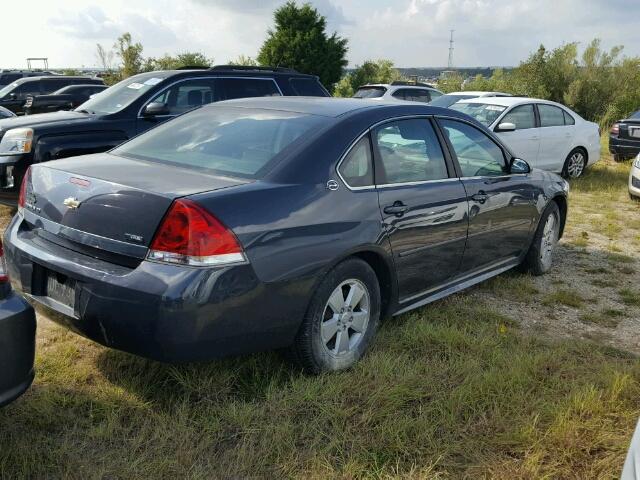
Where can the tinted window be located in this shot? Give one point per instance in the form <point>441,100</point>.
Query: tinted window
<point>27,88</point>
<point>7,78</point>
<point>399,94</point>
<point>369,92</point>
<point>477,154</point>
<point>568,119</point>
<point>307,87</point>
<point>448,100</point>
<point>409,152</point>
<point>51,85</point>
<point>484,113</point>
<point>224,140</point>
<point>635,114</point>
<point>357,167</point>
<point>416,95</point>
<point>522,117</point>
<point>247,87</point>
<point>187,95</point>
<point>550,116</point>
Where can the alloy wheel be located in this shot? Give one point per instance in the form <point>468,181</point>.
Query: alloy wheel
<point>575,165</point>
<point>345,317</point>
<point>549,239</point>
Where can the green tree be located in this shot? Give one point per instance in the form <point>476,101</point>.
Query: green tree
<point>451,83</point>
<point>300,41</point>
<point>378,71</point>
<point>130,55</point>
<point>185,59</point>
<point>243,60</point>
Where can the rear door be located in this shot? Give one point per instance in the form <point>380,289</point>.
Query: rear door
<point>524,141</point>
<point>501,206</point>
<point>556,138</point>
<point>423,205</point>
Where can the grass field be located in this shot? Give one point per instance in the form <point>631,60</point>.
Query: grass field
<point>521,377</point>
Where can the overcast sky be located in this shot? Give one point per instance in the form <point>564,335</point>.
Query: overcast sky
<point>412,33</point>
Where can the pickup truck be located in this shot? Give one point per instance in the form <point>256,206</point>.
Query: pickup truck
<point>67,98</point>
<point>130,107</point>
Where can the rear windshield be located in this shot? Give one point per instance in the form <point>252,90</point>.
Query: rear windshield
<point>448,100</point>
<point>485,113</point>
<point>369,92</point>
<point>635,114</point>
<point>237,142</point>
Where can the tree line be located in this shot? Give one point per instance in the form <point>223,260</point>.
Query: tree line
<point>600,85</point>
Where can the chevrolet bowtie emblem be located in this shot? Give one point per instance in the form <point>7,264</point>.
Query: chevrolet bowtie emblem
<point>71,202</point>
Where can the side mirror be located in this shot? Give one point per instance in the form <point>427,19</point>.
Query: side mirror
<point>506,127</point>
<point>517,165</point>
<point>154,109</point>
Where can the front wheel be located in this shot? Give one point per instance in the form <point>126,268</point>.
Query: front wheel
<point>342,319</point>
<point>540,255</point>
<point>575,164</point>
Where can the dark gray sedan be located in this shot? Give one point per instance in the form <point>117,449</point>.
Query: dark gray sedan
<point>277,222</point>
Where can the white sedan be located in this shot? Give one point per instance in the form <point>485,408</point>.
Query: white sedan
<point>546,134</point>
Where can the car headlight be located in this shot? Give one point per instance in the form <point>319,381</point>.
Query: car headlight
<point>636,162</point>
<point>16,141</point>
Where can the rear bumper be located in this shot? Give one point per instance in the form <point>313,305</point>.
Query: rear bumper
<point>634,181</point>
<point>623,146</point>
<point>17,347</point>
<point>160,311</point>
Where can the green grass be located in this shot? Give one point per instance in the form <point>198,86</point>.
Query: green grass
<point>564,296</point>
<point>453,390</point>
<point>630,297</point>
<point>609,317</point>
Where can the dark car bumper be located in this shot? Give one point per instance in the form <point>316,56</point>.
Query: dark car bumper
<point>160,311</point>
<point>17,347</point>
<point>623,146</point>
<point>12,169</point>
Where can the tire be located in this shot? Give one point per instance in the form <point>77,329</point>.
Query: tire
<point>320,343</point>
<point>538,260</point>
<point>575,163</point>
<point>619,157</point>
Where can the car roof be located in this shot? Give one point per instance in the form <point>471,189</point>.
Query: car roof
<point>50,77</point>
<point>477,93</point>
<point>388,85</point>
<point>509,101</point>
<point>325,106</point>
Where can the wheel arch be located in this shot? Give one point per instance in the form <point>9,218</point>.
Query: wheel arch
<point>563,206</point>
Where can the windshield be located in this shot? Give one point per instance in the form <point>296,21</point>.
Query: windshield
<point>635,114</point>
<point>448,100</point>
<point>122,94</point>
<point>224,140</point>
<point>485,113</point>
<point>369,92</point>
<point>7,89</point>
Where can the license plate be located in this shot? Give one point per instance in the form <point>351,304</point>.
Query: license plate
<point>61,289</point>
<point>634,132</point>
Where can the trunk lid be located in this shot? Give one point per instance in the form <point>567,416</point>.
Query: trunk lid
<point>108,203</point>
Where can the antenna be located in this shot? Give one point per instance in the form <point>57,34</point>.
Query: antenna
<point>450,64</point>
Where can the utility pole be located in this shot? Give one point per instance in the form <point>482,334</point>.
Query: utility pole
<point>450,64</point>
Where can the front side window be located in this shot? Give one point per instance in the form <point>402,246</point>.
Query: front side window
<point>409,152</point>
<point>478,155</point>
<point>224,140</point>
<point>484,113</point>
<point>27,88</point>
<point>357,167</point>
<point>307,87</point>
<point>187,95</point>
<point>416,95</point>
<point>550,116</point>
<point>522,117</point>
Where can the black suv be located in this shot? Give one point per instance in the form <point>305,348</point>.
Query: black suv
<point>10,76</point>
<point>67,98</point>
<point>14,95</point>
<point>131,107</point>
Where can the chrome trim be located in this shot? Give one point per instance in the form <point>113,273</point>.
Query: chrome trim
<point>140,116</point>
<point>421,182</point>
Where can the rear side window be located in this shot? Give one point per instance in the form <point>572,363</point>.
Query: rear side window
<point>224,140</point>
<point>568,119</point>
<point>247,87</point>
<point>357,167</point>
<point>52,85</point>
<point>370,92</point>
<point>307,87</point>
<point>522,117</point>
<point>409,152</point>
<point>550,116</point>
<point>416,95</point>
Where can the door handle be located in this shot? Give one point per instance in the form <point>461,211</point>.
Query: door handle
<point>398,209</point>
<point>480,197</point>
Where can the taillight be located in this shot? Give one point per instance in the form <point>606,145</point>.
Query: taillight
<point>23,189</point>
<point>615,129</point>
<point>4,277</point>
<point>190,235</point>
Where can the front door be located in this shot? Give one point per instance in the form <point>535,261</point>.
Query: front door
<point>524,141</point>
<point>423,205</point>
<point>501,206</point>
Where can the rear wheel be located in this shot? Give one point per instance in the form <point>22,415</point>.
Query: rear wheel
<point>575,164</point>
<point>342,319</point>
<point>539,258</point>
